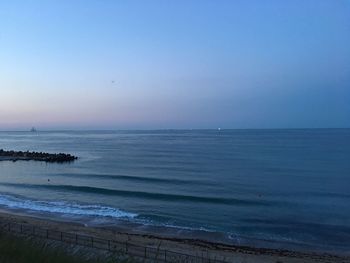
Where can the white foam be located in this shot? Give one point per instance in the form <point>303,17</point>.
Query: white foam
<point>63,207</point>
<point>147,222</point>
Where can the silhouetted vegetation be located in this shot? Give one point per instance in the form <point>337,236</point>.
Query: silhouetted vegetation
<point>18,250</point>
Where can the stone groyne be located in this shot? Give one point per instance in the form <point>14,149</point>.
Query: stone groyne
<point>36,156</point>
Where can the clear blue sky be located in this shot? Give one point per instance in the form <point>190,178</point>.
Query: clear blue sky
<point>70,64</point>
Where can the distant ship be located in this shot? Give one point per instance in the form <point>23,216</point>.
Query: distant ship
<point>33,129</point>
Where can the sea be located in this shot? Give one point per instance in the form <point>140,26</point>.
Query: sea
<point>283,188</point>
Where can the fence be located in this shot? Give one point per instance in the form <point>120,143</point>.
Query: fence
<point>127,248</point>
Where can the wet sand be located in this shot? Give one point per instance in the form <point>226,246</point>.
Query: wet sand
<point>229,253</point>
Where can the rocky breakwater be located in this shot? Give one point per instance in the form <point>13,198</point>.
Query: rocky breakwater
<point>36,156</point>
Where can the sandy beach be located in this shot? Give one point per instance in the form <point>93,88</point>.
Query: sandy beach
<point>175,131</point>
<point>194,247</point>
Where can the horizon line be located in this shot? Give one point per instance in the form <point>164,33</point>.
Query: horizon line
<point>174,129</point>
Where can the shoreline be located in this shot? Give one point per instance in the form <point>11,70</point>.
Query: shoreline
<point>163,231</point>
<point>231,253</point>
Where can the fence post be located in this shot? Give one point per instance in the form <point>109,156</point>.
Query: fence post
<point>126,246</point>
<point>61,236</point>
<point>92,242</point>
<point>165,255</point>
<point>145,252</point>
<point>21,228</point>
<point>109,245</point>
<point>47,234</point>
<point>76,239</point>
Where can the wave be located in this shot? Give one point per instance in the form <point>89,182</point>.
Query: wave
<point>75,209</point>
<point>63,207</point>
<point>128,178</point>
<point>144,195</point>
<point>152,223</point>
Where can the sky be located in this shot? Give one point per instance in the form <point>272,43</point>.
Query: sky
<point>184,64</point>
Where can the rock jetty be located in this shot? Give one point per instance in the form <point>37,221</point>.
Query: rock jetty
<point>36,156</point>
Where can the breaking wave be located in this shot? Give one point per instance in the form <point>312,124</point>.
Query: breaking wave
<point>63,207</point>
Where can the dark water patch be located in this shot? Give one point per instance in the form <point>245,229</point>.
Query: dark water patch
<point>330,195</point>
<point>297,223</point>
<point>314,194</point>
<point>298,231</point>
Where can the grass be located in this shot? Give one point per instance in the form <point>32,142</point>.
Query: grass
<point>18,250</point>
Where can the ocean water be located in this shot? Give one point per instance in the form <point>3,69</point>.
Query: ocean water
<point>266,188</point>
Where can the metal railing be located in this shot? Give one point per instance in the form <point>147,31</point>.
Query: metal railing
<point>155,254</point>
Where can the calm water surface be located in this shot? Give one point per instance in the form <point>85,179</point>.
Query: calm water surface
<point>284,188</point>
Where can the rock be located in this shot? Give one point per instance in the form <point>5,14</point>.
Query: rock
<point>36,156</point>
